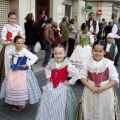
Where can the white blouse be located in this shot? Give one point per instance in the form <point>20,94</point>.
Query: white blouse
<point>13,29</point>
<point>99,67</point>
<point>71,69</point>
<point>31,58</point>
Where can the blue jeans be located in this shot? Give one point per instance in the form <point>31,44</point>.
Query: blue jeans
<point>48,49</point>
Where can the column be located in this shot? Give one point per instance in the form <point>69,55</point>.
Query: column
<point>25,7</point>
<point>79,11</point>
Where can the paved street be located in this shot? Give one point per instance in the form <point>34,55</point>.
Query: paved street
<point>29,113</point>
<point>76,21</point>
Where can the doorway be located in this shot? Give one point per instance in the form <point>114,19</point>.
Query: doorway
<point>42,4</point>
<point>68,11</point>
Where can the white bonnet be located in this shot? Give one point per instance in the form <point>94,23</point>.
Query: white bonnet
<point>110,35</point>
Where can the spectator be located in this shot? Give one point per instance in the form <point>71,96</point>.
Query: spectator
<point>56,34</point>
<point>72,37</point>
<point>31,32</point>
<point>108,29</point>
<point>101,33</point>
<point>43,22</point>
<point>116,32</point>
<point>42,14</point>
<point>103,22</point>
<point>48,37</point>
<point>64,31</point>
<point>93,25</point>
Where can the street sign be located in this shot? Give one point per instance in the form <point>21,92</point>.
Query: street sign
<point>99,12</point>
<point>88,7</point>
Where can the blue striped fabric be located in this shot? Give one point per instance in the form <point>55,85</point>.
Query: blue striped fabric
<point>52,104</point>
<point>17,95</point>
<point>57,104</point>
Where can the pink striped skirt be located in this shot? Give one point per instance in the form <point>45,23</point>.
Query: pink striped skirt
<point>17,85</point>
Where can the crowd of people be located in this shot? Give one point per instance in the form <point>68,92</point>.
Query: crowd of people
<point>92,61</point>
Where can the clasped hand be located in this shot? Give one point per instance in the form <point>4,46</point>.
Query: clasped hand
<point>98,89</point>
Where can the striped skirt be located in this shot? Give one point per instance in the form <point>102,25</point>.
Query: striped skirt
<point>103,106</point>
<point>57,103</point>
<point>28,91</point>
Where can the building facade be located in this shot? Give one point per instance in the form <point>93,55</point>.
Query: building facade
<point>110,9</point>
<point>57,9</point>
<point>53,8</point>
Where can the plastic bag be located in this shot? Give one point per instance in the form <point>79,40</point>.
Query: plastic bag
<point>37,47</point>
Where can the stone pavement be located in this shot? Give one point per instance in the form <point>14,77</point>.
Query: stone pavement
<point>6,112</point>
<point>29,113</point>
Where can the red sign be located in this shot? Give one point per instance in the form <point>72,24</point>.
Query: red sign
<point>99,12</point>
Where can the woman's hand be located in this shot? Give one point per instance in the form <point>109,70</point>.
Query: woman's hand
<point>24,66</point>
<point>67,83</point>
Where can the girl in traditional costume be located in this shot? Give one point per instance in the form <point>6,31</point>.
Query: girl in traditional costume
<point>58,101</point>
<point>9,31</point>
<point>111,50</point>
<point>20,85</point>
<point>99,75</point>
<point>82,52</point>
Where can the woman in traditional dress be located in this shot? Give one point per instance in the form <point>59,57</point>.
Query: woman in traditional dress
<point>99,75</point>
<point>82,52</point>
<point>58,100</point>
<point>9,31</point>
<point>20,85</point>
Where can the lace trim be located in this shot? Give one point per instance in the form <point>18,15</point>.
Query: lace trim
<point>93,69</point>
<point>65,62</point>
